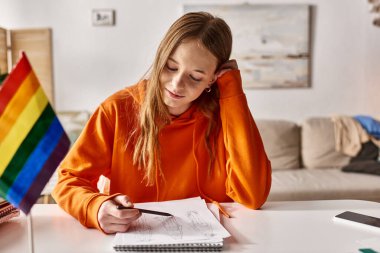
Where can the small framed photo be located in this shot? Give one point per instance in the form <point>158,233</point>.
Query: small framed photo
<point>103,17</point>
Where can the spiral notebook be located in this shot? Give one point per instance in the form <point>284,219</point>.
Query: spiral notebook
<point>7,211</point>
<point>192,228</point>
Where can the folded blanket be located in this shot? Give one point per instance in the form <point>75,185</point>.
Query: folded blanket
<point>367,167</point>
<point>371,125</point>
<point>369,152</point>
<point>350,135</point>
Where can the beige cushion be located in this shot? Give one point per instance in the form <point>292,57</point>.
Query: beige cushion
<point>307,184</point>
<point>282,143</point>
<point>318,145</point>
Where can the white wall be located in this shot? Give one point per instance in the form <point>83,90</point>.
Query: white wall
<point>91,63</point>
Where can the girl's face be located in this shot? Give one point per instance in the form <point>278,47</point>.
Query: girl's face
<point>189,70</point>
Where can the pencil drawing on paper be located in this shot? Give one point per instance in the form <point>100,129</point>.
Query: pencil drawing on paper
<point>193,223</point>
<point>172,228</point>
<point>141,229</point>
<point>199,224</point>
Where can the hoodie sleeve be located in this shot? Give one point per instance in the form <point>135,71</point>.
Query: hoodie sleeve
<point>76,191</point>
<point>248,168</point>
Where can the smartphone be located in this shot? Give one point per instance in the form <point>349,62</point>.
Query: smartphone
<point>361,219</point>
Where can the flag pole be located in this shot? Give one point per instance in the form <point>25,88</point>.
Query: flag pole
<point>30,232</point>
<point>46,139</point>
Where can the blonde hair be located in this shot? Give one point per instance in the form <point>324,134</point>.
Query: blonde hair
<point>215,35</point>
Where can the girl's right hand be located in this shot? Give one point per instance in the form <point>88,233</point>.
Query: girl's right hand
<point>113,220</point>
<point>227,66</point>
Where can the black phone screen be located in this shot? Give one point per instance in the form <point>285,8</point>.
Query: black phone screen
<point>361,218</point>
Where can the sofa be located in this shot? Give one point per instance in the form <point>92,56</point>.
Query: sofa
<point>304,161</point>
<point>306,165</point>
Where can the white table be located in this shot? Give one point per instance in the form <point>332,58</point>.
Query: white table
<point>292,226</point>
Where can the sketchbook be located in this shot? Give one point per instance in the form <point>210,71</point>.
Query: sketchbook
<point>192,228</point>
<point>7,211</point>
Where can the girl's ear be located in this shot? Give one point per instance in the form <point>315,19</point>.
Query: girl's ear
<point>213,78</point>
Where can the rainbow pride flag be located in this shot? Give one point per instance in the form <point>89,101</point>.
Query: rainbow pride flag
<point>32,140</point>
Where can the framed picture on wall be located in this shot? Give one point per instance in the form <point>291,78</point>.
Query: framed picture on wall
<point>103,17</point>
<point>271,42</point>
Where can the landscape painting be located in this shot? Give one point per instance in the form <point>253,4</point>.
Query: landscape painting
<point>271,42</point>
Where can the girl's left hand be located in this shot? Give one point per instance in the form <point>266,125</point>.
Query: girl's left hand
<point>227,66</point>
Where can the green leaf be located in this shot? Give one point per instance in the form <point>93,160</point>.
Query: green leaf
<point>2,78</point>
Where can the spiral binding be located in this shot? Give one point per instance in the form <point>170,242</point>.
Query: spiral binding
<point>181,247</point>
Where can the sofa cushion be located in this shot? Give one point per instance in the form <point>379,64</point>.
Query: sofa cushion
<point>282,143</point>
<point>304,184</point>
<point>318,145</point>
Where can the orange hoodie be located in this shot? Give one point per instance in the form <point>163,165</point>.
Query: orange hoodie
<point>241,170</point>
